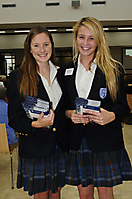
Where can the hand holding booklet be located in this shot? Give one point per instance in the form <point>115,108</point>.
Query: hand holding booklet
<point>86,104</point>
<point>35,106</point>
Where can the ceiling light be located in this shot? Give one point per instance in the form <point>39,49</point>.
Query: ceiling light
<point>2,32</point>
<point>69,29</point>
<point>105,28</point>
<point>21,31</point>
<point>127,28</point>
<point>52,30</point>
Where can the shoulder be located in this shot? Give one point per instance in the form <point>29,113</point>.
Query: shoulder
<point>3,103</point>
<point>15,73</point>
<point>121,69</point>
<point>70,64</point>
<point>14,80</point>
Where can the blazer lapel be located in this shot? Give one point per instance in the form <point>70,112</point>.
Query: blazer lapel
<point>70,83</point>
<point>42,94</point>
<point>60,82</point>
<point>94,92</point>
<point>73,80</point>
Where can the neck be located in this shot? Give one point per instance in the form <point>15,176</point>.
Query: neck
<point>44,70</point>
<point>86,61</point>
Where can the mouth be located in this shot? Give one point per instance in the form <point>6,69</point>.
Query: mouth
<point>85,48</point>
<point>42,55</point>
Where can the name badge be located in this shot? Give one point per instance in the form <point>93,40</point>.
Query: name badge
<point>103,92</point>
<point>69,71</point>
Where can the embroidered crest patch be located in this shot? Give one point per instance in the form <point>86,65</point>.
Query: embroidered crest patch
<point>103,92</point>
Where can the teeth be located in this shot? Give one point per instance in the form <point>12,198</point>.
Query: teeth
<point>42,55</point>
<point>85,48</point>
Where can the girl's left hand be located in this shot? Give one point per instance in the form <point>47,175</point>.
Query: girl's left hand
<point>102,118</point>
<point>44,121</point>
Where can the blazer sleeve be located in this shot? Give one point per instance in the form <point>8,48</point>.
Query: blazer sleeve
<point>18,119</point>
<point>120,108</point>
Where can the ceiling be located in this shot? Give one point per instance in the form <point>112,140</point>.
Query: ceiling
<point>61,26</point>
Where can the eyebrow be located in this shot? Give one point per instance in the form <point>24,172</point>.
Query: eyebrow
<point>80,34</point>
<point>38,43</point>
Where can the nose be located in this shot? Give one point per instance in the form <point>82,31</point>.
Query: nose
<point>86,41</point>
<point>42,48</point>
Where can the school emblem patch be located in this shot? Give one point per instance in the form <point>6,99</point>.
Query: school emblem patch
<point>103,92</point>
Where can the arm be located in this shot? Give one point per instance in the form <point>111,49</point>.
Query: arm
<point>113,111</point>
<point>18,119</point>
<point>120,108</point>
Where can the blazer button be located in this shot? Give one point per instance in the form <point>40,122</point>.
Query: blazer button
<point>25,134</point>
<point>19,133</point>
<point>54,129</point>
<point>84,124</point>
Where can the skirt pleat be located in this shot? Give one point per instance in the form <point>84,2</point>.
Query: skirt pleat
<point>101,169</point>
<point>41,174</point>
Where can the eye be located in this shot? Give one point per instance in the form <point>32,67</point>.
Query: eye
<point>91,38</point>
<point>81,37</point>
<point>46,44</point>
<point>35,45</point>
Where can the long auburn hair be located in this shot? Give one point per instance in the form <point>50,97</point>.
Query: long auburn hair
<point>28,69</point>
<point>104,60</point>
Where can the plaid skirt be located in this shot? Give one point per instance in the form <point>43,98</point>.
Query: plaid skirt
<point>101,169</point>
<point>42,174</point>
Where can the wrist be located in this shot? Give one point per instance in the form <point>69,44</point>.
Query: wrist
<point>68,113</point>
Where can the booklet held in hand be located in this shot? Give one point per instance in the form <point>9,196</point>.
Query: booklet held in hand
<point>86,104</point>
<point>35,106</point>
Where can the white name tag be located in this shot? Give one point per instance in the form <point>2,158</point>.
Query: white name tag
<point>69,71</point>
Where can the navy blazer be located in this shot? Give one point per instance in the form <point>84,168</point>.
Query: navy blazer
<point>98,138</point>
<point>36,142</point>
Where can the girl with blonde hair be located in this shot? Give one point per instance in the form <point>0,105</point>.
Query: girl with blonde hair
<point>97,157</point>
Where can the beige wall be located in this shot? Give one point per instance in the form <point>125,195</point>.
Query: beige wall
<point>65,40</point>
<point>35,11</point>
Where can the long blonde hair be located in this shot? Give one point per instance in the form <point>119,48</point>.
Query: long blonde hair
<point>104,60</point>
<point>28,70</point>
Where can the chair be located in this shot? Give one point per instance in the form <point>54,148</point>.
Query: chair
<point>4,146</point>
<point>129,100</point>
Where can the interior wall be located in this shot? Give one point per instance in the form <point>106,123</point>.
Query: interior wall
<point>116,52</point>
<point>65,40</point>
<point>116,41</point>
<point>32,11</point>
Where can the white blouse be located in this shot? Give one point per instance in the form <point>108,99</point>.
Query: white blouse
<point>84,79</point>
<point>54,91</point>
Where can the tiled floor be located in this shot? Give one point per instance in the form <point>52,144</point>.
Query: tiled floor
<point>68,192</point>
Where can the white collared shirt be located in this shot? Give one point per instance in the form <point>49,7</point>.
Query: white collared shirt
<point>84,79</point>
<point>54,91</point>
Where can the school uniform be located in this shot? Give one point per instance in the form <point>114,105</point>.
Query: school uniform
<point>42,152</point>
<point>97,154</point>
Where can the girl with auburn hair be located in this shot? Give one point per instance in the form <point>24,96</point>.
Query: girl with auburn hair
<point>42,150</point>
<point>97,156</point>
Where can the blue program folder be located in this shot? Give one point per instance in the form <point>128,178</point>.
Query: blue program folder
<point>35,106</point>
<point>86,104</point>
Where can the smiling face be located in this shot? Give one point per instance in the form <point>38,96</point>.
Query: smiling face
<point>41,48</point>
<point>85,42</point>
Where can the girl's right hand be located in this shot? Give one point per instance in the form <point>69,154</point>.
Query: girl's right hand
<point>77,118</point>
<point>44,121</point>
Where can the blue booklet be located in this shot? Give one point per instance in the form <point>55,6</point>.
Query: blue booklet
<point>86,104</point>
<point>35,106</point>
